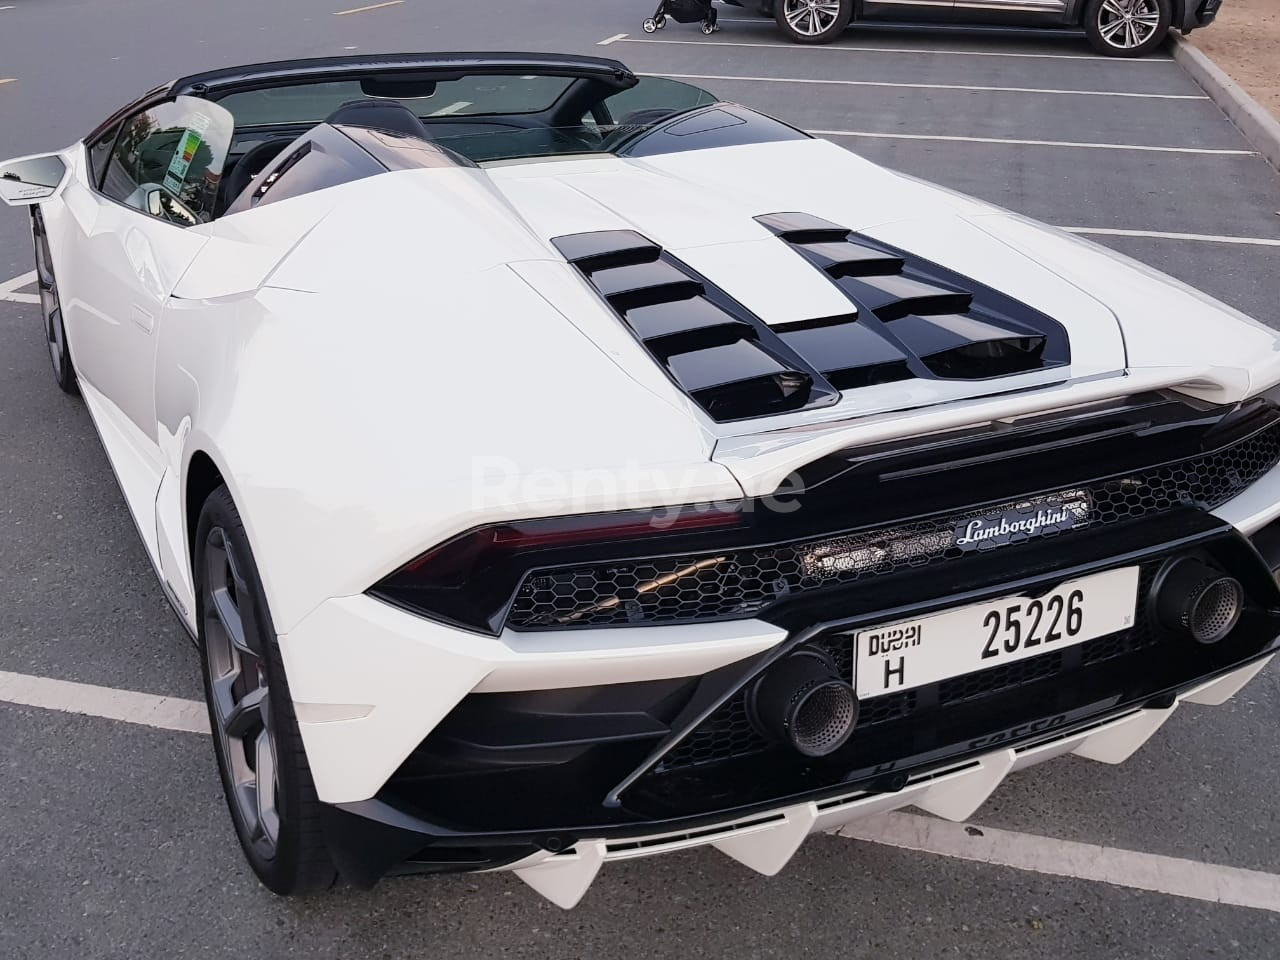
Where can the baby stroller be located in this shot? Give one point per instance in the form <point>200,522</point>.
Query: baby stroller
<point>683,11</point>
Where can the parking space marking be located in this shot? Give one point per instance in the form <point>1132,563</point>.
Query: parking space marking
<point>4,80</point>
<point>935,86</point>
<point>614,39</point>
<point>834,48</point>
<point>8,287</point>
<point>451,109</point>
<point>166,713</point>
<point>1210,882</point>
<point>1161,235</point>
<point>1031,143</point>
<point>372,6</point>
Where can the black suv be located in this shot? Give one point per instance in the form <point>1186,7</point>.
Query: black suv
<point>1118,28</point>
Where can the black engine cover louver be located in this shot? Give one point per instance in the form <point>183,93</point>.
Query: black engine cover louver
<point>914,318</point>
<point>909,318</point>
<point>716,350</point>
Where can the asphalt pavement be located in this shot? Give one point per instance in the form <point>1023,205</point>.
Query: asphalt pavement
<point>116,842</point>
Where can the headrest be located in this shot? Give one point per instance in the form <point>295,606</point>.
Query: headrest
<point>378,115</point>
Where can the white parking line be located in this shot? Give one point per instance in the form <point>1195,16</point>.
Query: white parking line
<point>4,80</point>
<point>451,109</point>
<point>835,48</point>
<point>935,86</point>
<point>1161,235</point>
<point>372,6</point>
<point>614,39</point>
<point>166,713</point>
<point>1022,851</point>
<point>1031,143</point>
<point>8,287</point>
<point>1080,861</point>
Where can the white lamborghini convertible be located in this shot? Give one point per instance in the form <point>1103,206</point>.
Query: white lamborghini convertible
<point>553,469</point>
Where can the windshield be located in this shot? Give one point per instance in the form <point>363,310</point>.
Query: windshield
<point>466,96</point>
<point>482,118</point>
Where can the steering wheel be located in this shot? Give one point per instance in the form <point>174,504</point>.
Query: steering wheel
<point>254,161</point>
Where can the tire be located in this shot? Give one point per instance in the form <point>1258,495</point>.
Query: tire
<point>55,333</point>
<point>1127,28</point>
<point>279,832</point>
<point>812,21</point>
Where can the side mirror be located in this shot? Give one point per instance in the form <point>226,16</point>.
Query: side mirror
<point>29,180</point>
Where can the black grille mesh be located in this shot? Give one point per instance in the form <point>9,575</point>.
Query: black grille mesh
<point>741,583</point>
<point>728,733</point>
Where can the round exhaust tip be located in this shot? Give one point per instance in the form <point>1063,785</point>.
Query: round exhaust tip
<point>823,719</point>
<point>1199,601</point>
<point>802,702</point>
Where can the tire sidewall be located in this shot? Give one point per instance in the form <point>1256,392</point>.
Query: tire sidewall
<point>827,36</point>
<point>278,871</point>
<point>63,369</point>
<point>1092,11</point>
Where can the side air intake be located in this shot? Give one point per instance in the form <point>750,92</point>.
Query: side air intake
<point>914,317</point>
<point>719,353</point>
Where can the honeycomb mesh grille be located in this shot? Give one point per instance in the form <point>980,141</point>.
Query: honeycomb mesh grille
<point>743,582</point>
<point>728,733</point>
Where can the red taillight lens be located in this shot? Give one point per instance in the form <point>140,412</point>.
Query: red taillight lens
<point>470,580</point>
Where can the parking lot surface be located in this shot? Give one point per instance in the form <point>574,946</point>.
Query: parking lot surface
<point>117,843</point>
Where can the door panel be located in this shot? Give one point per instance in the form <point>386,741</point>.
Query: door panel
<point>150,220</point>
<point>965,11</point>
<point>935,10</point>
<point>125,269</point>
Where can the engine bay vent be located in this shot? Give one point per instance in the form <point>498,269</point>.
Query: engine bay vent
<point>719,353</point>
<point>914,318</point>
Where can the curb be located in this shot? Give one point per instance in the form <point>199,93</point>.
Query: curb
<point>1258,126</point>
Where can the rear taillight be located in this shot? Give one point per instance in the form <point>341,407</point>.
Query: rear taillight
<point>469,580</point>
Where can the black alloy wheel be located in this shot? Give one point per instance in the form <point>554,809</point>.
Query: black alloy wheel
<point>259,749</point>
<point>55,332</point>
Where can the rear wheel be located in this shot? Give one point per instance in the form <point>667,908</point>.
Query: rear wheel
<point>55,333</point>
<point>812,21</point>
<point>259,750</point>
<point>1127,28</point>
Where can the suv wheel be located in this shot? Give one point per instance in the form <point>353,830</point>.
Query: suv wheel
<point>813,21</point>
<point>1127,28</point>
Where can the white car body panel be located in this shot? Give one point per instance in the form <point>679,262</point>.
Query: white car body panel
<point>365,401</point>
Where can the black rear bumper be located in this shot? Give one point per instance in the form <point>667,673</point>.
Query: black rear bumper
<point>508,775</point>
<point>1198,13</point>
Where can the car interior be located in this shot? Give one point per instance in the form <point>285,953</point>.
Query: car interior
<point>185,162</point>
<point>477,119</point>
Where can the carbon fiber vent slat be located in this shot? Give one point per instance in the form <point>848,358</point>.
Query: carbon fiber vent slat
<point>717,351</point>
<point>945,326</point>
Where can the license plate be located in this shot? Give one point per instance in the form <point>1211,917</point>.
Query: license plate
<point>913,653</point>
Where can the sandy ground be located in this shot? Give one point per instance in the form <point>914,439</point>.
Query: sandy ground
<point>1245,42</point>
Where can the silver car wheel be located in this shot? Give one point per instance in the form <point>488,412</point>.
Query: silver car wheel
<point>811,17</point>
<point>1127,24</point>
